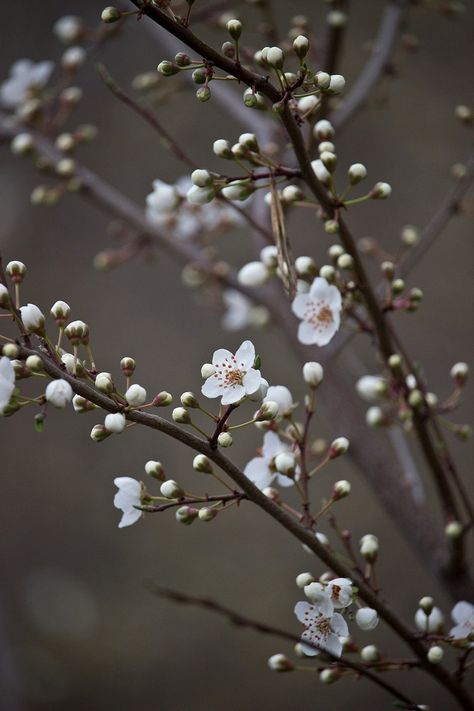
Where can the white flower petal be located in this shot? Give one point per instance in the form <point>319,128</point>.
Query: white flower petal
<point>462,611</point>
<point>212,387</point>
<point>251,381</point>
<point>272,445</point>
<point>233,394</point>
<point>339,625</point>
<point>222,355</point>
<point>300,304</point>
<point>257,471</point>
<point>130,517</point>
<point>245,355</point>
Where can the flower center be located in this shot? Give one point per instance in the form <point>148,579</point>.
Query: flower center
<point>323,626</point>
<point>325,315</point>
<point>319,315</point>
<point>229,374</point>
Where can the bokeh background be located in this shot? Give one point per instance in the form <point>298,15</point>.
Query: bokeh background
<point>78,628</point>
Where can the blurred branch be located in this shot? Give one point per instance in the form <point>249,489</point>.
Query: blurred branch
<point>239,620</point>
<point>333,40</point>
<point>376,65</point>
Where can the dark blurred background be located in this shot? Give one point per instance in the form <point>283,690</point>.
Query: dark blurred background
<point>78,628</point>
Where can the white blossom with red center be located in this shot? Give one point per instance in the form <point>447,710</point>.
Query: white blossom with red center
<point>234,377</point>
<point>322,631</point>
<point>319,311</point>
<point>340,592</point>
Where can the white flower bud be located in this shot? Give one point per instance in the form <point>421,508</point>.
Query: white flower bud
<point>104,383</point>
<point>432,622</point>
<point>10,350</point>
<point>323,130</point>
<point>128,366</point>
<point>181,415</point>
<point>301,46</point>
<point>336,18</point>
<point>280,663</point>
<point>341,489</point>
<point>380,191</point>
<point>327,272</point>
<point>202,464</point>
<point>371,388</point>
<point>71,95</point>
<point>322,81</point>
<point>186,514</point>
<point>201,178</point>
<point>345,261</point>
<point>76,331</point>
<point>369,547</point>
<point>285,463</point>
<point>269,256</point>
<point>237,190</point>
<point>313,373</point>
<point>189,399</point>
<point>115,422</point>
<point>34,363</point>
<point>268,411</point>
<point>315,592</point>
<point>454,529</point>
<point>170,489</point>
<point>33,319</point>
<point>73,57</point>
<point>21,144</point>
<point>4,296</point>
<point>459,372</point>
<point>99,433</point>
<point>370,653</point>
<point>329,676</point>
<point>234,28</point>
<point>367,618</point>
<point>356,173</point>
<point>305,266</point>
<point>155,470</point>
<point>435,654</point>
<point>224,439</point>
<point>207,370</point>
<point>60,311</point>
<point>207,514</point>
<point>16,270</point>
<point>163,399</point>
<point>70,363</point>
<point>307,105</point>
<point>321,172</point>
<point>80,404</point>
<point>135,395</point>
<point>200,196</point>
<point>339,446</point>
<point>110,14</point>
<point>426,603</point>
<point>291,193</point>
<point>253,274</point>
<point>249,140</point>
<point>59,393</point>
<point>68,28</point>
<point>331,227</point>
<point>274,57</point>
<point>375,417</point>
<point>336,84</point>
<point>304,579</point>
<point>410,235</point>
<point>222,148</point>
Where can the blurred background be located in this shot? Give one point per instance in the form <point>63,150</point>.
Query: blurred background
<point>78,628</point>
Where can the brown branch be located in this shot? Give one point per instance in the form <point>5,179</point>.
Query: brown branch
<point>185,501</point>
<point>239,620</point>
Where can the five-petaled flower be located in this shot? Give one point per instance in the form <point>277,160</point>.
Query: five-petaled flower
<point>128,496</point>
<point>261,470</point>
<point>463,615</point>
<point>319,311</point>
<point>322,630</point>
<point>7,383</point>
<point>234,377</point>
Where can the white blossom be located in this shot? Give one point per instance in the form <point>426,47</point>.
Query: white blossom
<point>463,615</point>
<point>253,274</point>
<point>371,388</point>
<point>115,422</point>
<point>59,393</point>
<point>340,592</point>
<point>164,198</point>
<point>261,470</point>
<point>238,309</point>
<point>319,311</point>
<point>127,498</point>
<point>33,319</point>
<point>322,631</point>
<point>7,382</point>
<point>235,376</point>
<point>135,395</point>
<point>282,396</point>
<point>25,76</point>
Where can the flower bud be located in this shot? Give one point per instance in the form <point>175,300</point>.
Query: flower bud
<point>234,28</point>
<point>345,261</point>
<point>155,470</point>
<point>454,529</point>
<point>110,14</point>
<point>222,149</point>
<point>394,362</point>
<point>16,270</point>
<point>323,129</point>
<point>170,489</point>
<point>186,515</point>
<point>274,57</point>
<point>207,370</point>
<point>356,173</point>
<point>431,622</point>
<point>68,28</point>
<point>336,84</point>
<point>409,235</point>
<point>200,196</point>
<point>189,399</point>
<point>60,311</point>
<point>367,618</point>
<point>228,50</point>
<point>77,331</point>
<point>305,267</point>
<point>73,58</point>
<point>268,411</point>
<point>327,272</point>
<point>329,676</point>
<point>33,319</point>
<point>127,366</point>
<point>398,285</point>
<point>115,422</point>
<point>341,489</point>
<point>201,178</point>
<point>237,190</point>
<point>4,296</point>
<point>301,46</point>
<point>253,274</point>
<point>380,191</point>
<point>322,80</point>
<point>435,654</point>
<point>203,94</point>
<point>21,144</point>
<point>285,463</point>
<point>163,399</point>
<point>59,393</point>
<point>416,398</point>
<point>181,415</point>
<point>375,417</point>
<point>370,653</point>
<point>34,363</point>
<point>304,579</point>
<point>459,372</point>
<point>329,160</point>
<point>426,603</point>
<point>269,256</point>
<point>369,547</point>
<point>10,350</point>
<point>104,383</point>
<point>291,193</point>
<point>224,439</point>
<point>313,373</point>
<point>280,663</point>
<point>315,592</point>
<point>80,404</point>
<point>338,447</point>
<point>331,227</point>
<point>167,68</point>
<point>99,433</point>
<point>135,395</point>
<point>202,464</point>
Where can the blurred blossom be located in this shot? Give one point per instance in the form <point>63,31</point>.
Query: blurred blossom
<point>25,77</point>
